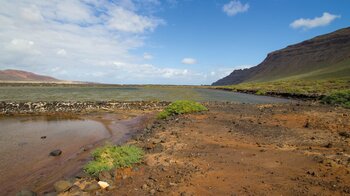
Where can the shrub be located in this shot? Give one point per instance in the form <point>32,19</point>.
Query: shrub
<point>109,157</point>
<point>181,107</point>
<point>260,92</point>
<point>341,98</point>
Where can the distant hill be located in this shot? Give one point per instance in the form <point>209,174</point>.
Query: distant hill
<point>18,75</point>
<point>323,57</point>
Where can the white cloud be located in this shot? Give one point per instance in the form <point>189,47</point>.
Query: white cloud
<point>89,34</point>
<point>46,37</point>
<point>234,7</point>
<point>61,52</point>
<point>189,61</point>
<point>307,23</point>
<point>128,21</point>
<point>147,56</point>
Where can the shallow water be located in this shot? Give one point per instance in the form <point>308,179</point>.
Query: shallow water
<point>93,93</point>
<point>25,160</point>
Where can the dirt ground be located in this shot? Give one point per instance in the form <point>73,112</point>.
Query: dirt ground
<point>242,149</point>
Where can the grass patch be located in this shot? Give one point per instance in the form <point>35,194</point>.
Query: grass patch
<point>181,107</point>
<point>109,157</point>
<point>340,98</point>
<point>303,87</point>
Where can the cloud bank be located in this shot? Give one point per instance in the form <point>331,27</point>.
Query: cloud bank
<point>86,40</point>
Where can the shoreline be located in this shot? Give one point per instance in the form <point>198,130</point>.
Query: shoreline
<point>45,107</point>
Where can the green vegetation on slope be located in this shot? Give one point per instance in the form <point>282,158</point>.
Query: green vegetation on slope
<point>110,157</point>
<point>341,98</point>
<point>181,107</point>
<point>301,87</point>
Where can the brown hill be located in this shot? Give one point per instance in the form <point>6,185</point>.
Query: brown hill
<point>325,56</point>
<point>17,75</point>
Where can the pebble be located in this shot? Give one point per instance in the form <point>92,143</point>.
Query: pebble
<point>62,185</point>
<point>92,187</point>
<point>56,153</point>
<point>103,184</point>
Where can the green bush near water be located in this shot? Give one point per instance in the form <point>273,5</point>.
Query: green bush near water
<point>341,98</point>
<point>181,107</point>
<point>109,157</point>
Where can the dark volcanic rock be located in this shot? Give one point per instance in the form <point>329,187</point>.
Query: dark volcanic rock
<point>56,153</point>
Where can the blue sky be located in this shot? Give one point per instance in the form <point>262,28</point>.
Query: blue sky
<point>153,41</point>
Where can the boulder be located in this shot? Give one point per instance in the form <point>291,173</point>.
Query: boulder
<point>56,153</point>
<point>62,185</point>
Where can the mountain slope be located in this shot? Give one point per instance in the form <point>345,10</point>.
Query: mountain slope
<point>17,75</point>
<point>323,57</point>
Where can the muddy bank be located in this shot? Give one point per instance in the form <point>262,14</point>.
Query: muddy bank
<point>12,108</point>
<point>239,149</point>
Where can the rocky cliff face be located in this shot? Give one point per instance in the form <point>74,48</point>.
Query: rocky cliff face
<point>325,52</point>
<point>17,75</point>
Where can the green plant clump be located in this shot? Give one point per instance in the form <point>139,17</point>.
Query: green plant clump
<point>181,107</point>
<point>260,92</point>
<point>341,98</point>
<point>109,157</point>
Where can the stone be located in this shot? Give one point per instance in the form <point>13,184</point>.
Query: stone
<point>345,134</point>
<point>144,186</point>
<point>152,192</point>
<point>105,176</point>
<point>149,161</point>
<point>26,193</point>
<point>329,145</point>
<point>43,137</point>
<point>62,185</point>
<point>56,153</point>
<point>158,148</point>
<point>92,187</point>
<point>103,184</point>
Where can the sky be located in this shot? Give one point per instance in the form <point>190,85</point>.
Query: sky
<point>156,41</point>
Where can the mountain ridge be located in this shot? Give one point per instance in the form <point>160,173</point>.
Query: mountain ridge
<point>20,75</point>
<point>324,52</point>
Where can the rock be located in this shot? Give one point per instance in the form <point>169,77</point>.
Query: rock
<point>62,185</point>
<point>152,192</point>
<point>43,137</point>
<point>56,153</point>
<point>144,186</point>
<point>92,187</point>
<point>103,184</point>
<point>158,148</point>
<point>105,176</point>
<point>149,161</point>
<point>26,193</point>
<point>329,145</point>
<point>345,134</point>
